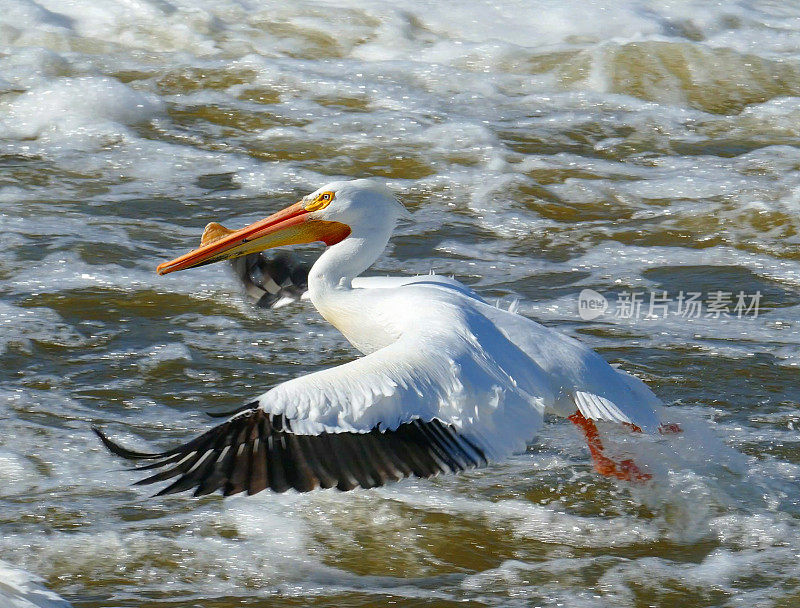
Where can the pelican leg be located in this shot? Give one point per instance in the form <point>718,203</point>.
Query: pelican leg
<point>626,470</point>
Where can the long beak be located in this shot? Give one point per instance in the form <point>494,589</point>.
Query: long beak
<point>291,226</point>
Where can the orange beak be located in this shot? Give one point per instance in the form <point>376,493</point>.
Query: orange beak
<point>291,226</point>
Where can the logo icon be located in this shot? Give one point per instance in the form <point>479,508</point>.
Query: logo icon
<point>591,304</point>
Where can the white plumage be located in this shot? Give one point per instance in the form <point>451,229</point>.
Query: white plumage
<point>433,351</point>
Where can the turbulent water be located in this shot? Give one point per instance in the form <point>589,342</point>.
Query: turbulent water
<point>544,148</point>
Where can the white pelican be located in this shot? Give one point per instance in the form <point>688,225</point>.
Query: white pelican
<point>447,382</point>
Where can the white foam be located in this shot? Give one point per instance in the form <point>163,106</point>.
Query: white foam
<point>164,353</point>
<point>21,589</point>
<point>87,108</point>
<point>531,521</point>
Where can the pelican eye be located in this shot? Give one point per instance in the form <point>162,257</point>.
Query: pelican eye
<point>321,201</point>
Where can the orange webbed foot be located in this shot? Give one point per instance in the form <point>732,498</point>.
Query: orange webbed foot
<point>625,470</point>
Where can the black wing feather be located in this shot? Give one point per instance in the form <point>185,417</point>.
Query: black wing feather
<point>268,277</point>
<point>255,450</point>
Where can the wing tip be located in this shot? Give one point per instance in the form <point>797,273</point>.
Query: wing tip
<point>599,408</point>
<point>120,450</point>
<point>271,280</point>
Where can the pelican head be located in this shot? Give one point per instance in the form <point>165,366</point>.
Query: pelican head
<point>331,214</point>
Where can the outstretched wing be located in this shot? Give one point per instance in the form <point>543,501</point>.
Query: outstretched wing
<point>425,404</point>
<point>588,383</point>
<point>255,450</point>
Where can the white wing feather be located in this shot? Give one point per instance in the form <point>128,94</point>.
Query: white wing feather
<point>586,380</point>
<point>465,373</point>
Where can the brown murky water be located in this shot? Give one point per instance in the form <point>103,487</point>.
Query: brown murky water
<point>544,148</point>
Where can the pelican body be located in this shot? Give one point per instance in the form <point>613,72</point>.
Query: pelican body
<point>447,382</point>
